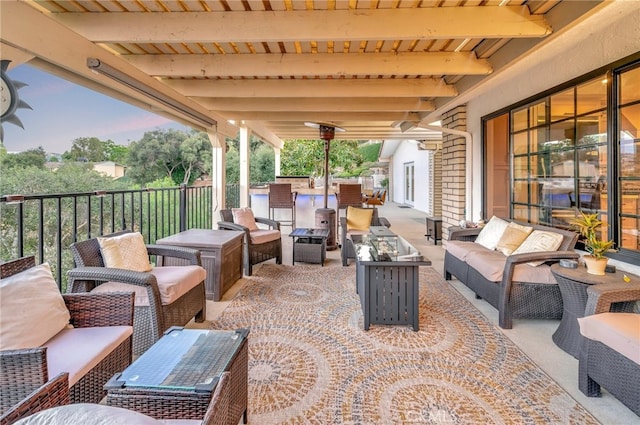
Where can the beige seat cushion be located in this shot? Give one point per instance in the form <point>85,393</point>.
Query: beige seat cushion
<point>78,350</point>
<point>88,413</point>
<point>261,236</point>
<point>173,282</point>
<point>618,331</point>
<point>463,249</point>
<point>491,265</point>
<point>32,309</point>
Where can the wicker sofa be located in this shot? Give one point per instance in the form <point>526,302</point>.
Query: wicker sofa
<point>82,358</point>
<point>501,282</point>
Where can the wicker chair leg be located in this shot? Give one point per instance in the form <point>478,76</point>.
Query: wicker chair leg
<point>588,386</point>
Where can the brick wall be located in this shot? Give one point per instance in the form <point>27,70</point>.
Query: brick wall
<point>453,169</point>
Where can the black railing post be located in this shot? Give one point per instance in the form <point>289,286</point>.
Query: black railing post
<point>183,207</point>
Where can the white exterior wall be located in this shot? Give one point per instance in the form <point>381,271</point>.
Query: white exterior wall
<point>408,152</point>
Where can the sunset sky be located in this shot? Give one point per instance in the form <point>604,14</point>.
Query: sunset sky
<point>63,111</point>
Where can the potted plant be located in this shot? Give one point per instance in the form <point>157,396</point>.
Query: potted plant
<point>589,227</point>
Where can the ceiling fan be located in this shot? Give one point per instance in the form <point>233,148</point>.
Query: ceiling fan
<point>327,133</point>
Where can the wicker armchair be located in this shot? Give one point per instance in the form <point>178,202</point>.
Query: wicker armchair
<point>254,253</point>
<point>25,386</point>
<point>348,195</point>
<point>347,250</point>
<point>600,365</point>
<point>53,393</point>
<point>151,320</point>
<point>377,198</point>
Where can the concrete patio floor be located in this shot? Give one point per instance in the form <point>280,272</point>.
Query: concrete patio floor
<point>533,337</point>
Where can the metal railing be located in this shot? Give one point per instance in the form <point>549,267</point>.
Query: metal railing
<point>46,225</point>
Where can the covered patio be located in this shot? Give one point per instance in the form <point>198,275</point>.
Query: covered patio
<point>433,73</point>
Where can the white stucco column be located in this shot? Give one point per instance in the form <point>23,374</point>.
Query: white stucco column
<point>218,171</point>
<point>244,166</point>
<point>276,151</point>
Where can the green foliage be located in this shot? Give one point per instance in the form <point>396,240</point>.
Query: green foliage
<point>89,149</point>
<point>589,225</point>
<point>262,163</point>
<point>263,167</point>
<point>181,156</point>
<point>370,151</point>
<point>306,157</point>
<point>232,164</point>
<point>29,158</point>
<point>93,149</point>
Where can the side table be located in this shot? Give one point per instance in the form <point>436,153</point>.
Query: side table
<point>434,229</point>
<point>176,377</point>
<point>309,245</point>
<point>573,285</point>
<point>217,247</point>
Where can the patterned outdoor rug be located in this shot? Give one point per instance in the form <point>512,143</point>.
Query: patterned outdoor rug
<point>310,361</point>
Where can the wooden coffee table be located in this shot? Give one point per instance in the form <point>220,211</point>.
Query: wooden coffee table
<point>176,377</point>
<point>218,248</point>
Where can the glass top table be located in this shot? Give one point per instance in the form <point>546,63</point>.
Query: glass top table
<point>184,359</point>
<point>382,245</point>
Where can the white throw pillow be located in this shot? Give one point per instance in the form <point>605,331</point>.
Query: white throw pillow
<point>126,251</point>
<point>244,217</point>
<point>492,232</point>
<point>539,241</point>
<point>32,310</point>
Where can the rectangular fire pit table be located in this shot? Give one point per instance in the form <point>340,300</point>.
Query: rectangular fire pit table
<point>176,377</point>
<point>309,245</point>
<point>387,278</point>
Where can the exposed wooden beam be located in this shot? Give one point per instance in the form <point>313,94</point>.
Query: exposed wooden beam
<point>414,87</point>
<point>314,25</point>
<point>320,116</point>
<point>333,64</point>
<point>315,104</point>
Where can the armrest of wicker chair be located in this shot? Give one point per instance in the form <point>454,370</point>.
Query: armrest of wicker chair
<point>601,297</point>
<point>79,275</point>
<point>504,304</point>
<point>51,394</point>
<point>271,223</point>
<point>228,225</point>
<point>23,371</point>
<point>100,309</point>
<point>460,234</point>
<point>193,255</point>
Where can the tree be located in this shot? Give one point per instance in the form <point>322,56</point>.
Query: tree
<point>306,157</point>
<point>172,153</point>
<point>116,153</point>
<point>29,158</point>
<point>89,149</point>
